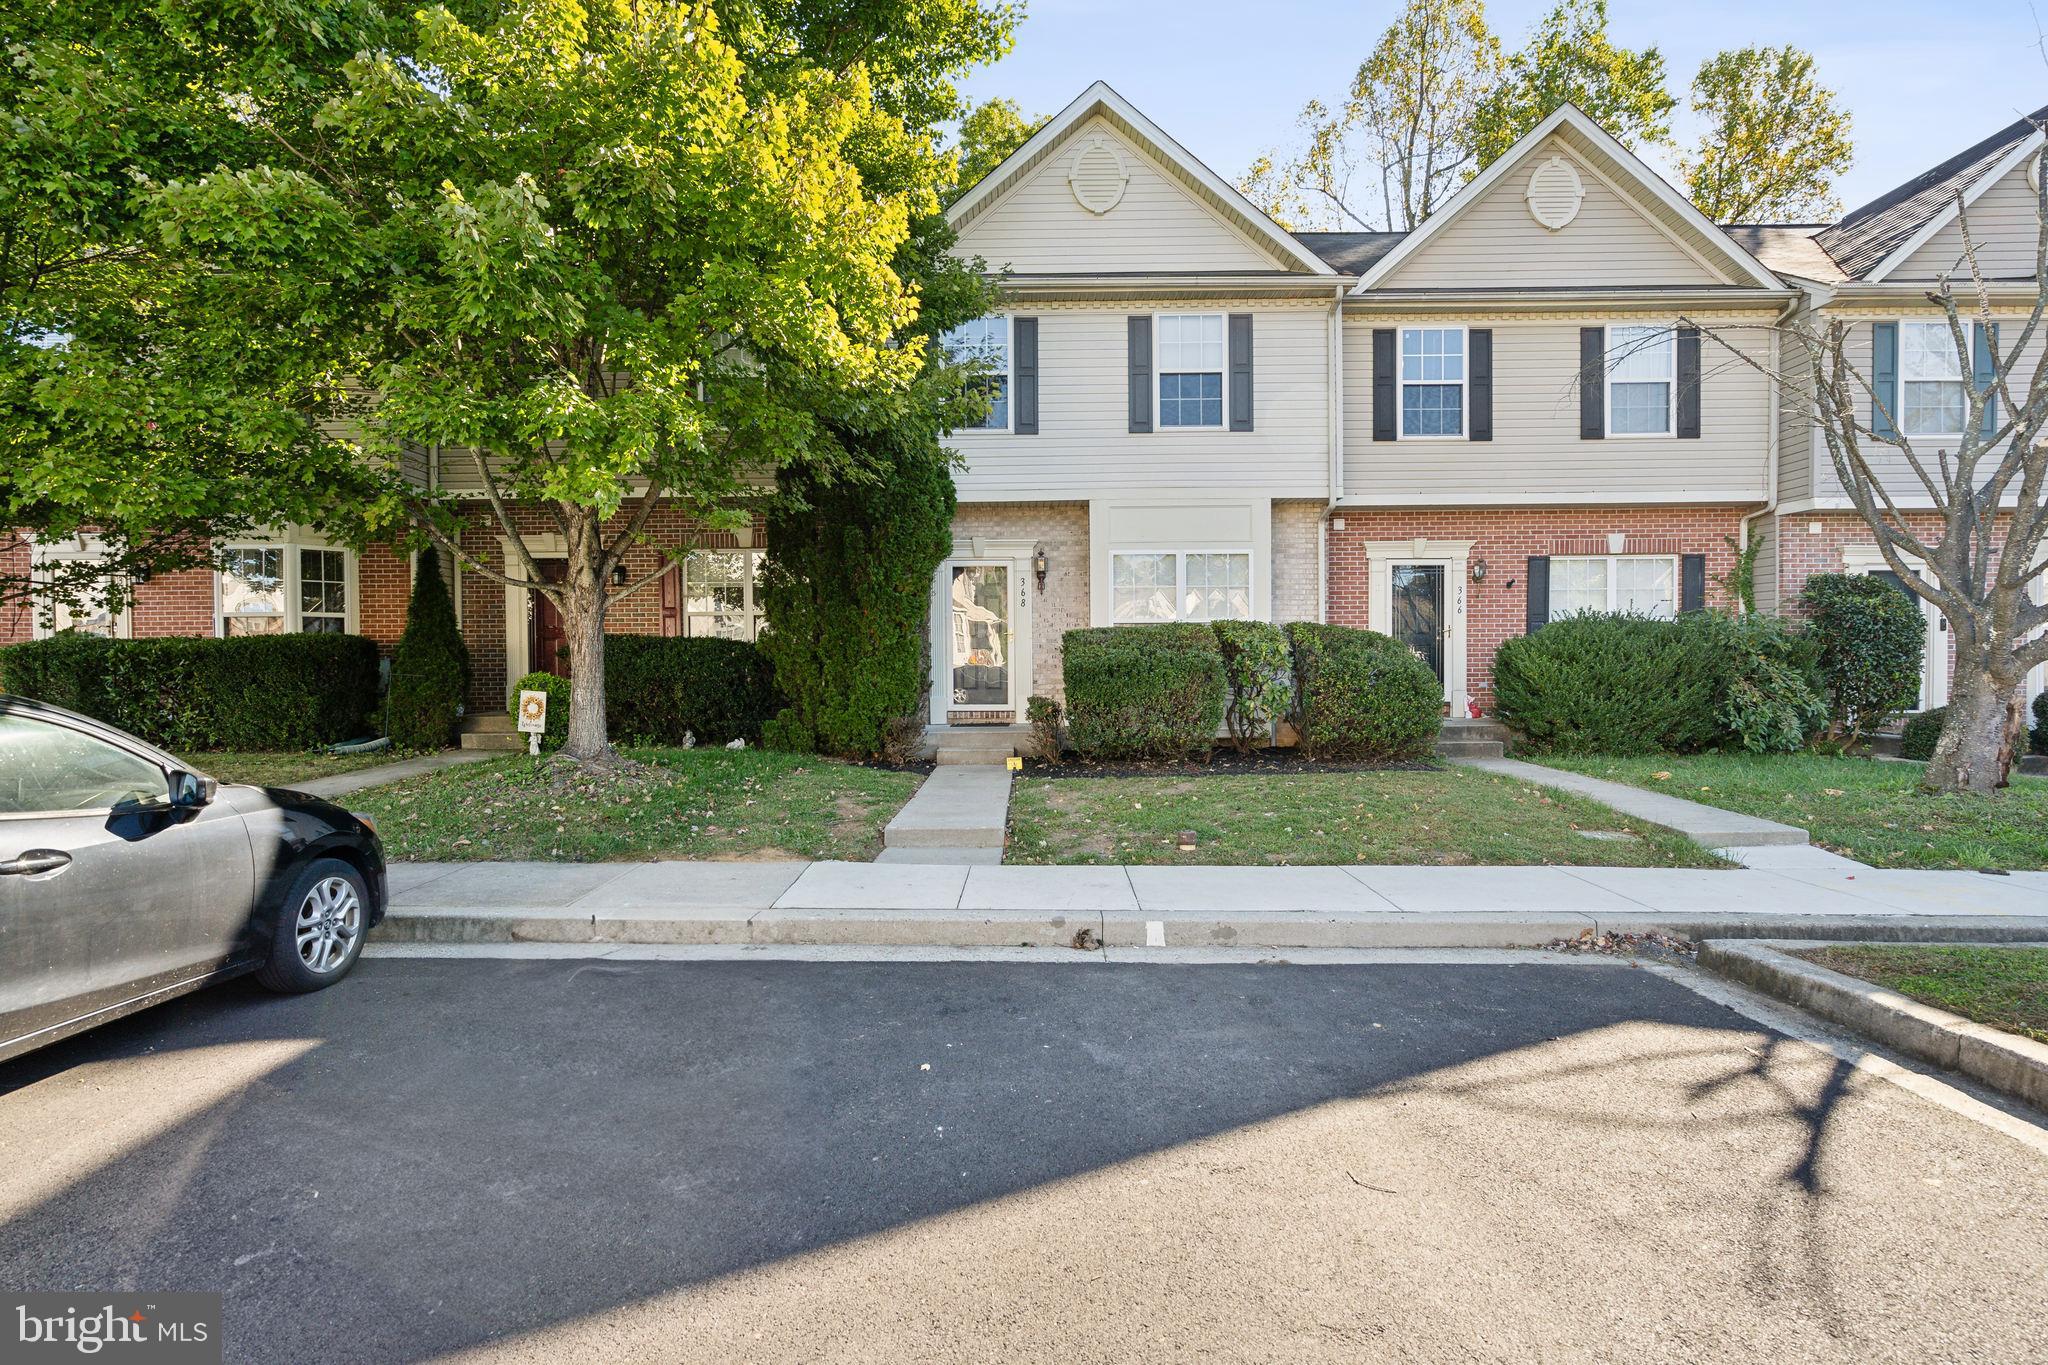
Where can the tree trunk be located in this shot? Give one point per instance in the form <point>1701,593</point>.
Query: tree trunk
<point>584,601</point>
<point>1980,736</point>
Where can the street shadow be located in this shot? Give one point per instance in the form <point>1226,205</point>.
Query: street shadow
<point>467,1150</point>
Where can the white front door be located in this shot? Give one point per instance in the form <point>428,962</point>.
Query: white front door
<point>980,668</point>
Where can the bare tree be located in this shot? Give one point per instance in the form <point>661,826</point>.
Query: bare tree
<point>1976,554</point>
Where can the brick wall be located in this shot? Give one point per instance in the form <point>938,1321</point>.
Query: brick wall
<point>1061,530</point>
<point>1505,537</point>
<point>1297,550</point>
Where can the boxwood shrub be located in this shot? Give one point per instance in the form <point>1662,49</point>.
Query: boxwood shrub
<point>1871,638</point>
<point>1610,683</point>
<point>658,689</point>
<point>1143,691</point>
<point>1360,694</point>
<point>2040,734</point>
<point>190,694</point>
<point>1920,733</point>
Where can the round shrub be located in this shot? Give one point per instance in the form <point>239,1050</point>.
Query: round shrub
<point>1917,737</point>
<point>1360,694</point>
<point>2040,735</point>
<point>1611,683</point>
<point>558,706</point>
<point>664,689</point>
<point>1143,691</point>
<point>1768,697</point>
<point>430,667</point>
<point>1255,670</point>
<point>1871,638</point>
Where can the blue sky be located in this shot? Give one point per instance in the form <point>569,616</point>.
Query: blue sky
<point>1227,79</point>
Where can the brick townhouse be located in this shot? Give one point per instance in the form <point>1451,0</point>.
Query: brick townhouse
<point>1197,414</point>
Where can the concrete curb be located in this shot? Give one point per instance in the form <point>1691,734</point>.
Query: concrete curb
<point>2004,1061</point>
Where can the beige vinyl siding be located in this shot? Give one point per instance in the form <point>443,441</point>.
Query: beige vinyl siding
<point>1496,244</point>
<point>2004,223</point>
<point>1890,463</point>
<point>1795,419</point>
<point>1037,227</point>
<point>1536,454</point>
<point>1084,447</point>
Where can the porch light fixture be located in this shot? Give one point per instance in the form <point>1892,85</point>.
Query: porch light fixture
<point>618,575</point>
<point>1478,571</point>
<point>1039,567</point>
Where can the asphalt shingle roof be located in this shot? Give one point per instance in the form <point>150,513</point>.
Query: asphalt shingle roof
<point>1866,236</point>
<point>1350,253</point>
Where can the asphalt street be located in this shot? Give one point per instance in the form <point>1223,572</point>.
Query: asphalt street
<point>568,1160</point>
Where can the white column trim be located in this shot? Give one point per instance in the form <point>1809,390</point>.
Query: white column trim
<point>541,545</point>
<point>1455,556</point>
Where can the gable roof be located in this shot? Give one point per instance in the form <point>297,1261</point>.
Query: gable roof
<point>1217,194</point>
<point>1672,211</point>
<point>1868,241</point>
<point>1788,248</point>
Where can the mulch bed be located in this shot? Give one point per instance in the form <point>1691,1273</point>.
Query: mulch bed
<point>1221,763</point>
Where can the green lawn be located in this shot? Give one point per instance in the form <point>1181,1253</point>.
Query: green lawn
<point>283,769</point>
<point>686,803</point>
<point>1452,816</point>
<point>2004,987</point>
<point>1871,811</point>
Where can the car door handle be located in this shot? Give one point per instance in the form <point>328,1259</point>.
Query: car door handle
<point>34,861</point>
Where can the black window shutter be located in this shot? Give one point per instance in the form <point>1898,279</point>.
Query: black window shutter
<point>1688,383</point>
<point>1141,372</point>
<point>1592,383</point>
<point>1479,401</point>
<point>1024,375</point>
<point>1539,592</point>
<point>1692,582</point>
<point>1383,383</point>
<point>1240,371</point>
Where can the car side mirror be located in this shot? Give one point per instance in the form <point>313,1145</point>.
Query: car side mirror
<point>190,791</point>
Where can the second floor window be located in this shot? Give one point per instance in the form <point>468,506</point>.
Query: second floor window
<point>1432,381</point>
<point>1641,380</point>
<point>1190,369</point>
<point>1932,396</point>
<point>1644,585</point>
<point>986,343</point>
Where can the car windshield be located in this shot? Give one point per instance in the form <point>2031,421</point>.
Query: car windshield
<point>46,767</point>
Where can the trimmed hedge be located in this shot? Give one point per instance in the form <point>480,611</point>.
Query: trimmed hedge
<point>188,694</point>
<point>1871,638</point>
<point>1360,694</point>
<point>660,689</point>
<point>557,689</point>
<point>1143,691</point>
<point>1610,683</point>
<point>1918,736</point>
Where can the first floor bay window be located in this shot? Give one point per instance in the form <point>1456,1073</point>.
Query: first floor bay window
<point>282,588</point>
<point>1641,585</point>
<point>252,592</point>
<point>1194,585</point>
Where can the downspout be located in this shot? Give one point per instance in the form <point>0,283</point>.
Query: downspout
<point>1335,427</point>
<point>1772,429</point>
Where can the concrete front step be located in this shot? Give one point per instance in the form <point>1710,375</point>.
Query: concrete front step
<point>1470,748</point>
<point>488,722</point>
<point>508,741</point>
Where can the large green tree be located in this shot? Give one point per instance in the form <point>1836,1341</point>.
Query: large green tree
<point>618,253</point>
<point>1400,142</point>
<point>1772,141</point>
<point>1569,59</point>
<point>130,407</point>
<point>990,131</point>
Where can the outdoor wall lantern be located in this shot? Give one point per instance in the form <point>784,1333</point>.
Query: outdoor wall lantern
<point>1039,566</point>
<point>618,575</point>
<point>1478,571</point>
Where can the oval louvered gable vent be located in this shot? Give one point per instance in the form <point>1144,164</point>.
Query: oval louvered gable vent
<point>1555,193</point>
<point>1098,177</point>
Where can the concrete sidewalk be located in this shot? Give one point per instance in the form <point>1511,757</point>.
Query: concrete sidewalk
<point>1708,825</point>
<point>344,783</point>
<point>1247,907</point>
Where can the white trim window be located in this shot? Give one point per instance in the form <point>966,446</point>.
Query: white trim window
<point>1642,380</point>
<point>720,594</point>
<point>1149,587</point>
<point>1933,389</point>
<point>278,587</point>
<point>1642,585</point>
<point>986,342</point>
<point>91,613</point>
<point>1190,359</point>
<point>1432,382</point>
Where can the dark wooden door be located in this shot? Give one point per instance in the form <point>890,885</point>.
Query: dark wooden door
<point>547,642</point>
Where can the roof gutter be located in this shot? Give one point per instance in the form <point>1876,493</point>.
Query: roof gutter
<point>1565,300</point>
<point>1168,286</point>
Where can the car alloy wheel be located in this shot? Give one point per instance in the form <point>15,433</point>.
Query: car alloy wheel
<point>329,922</point>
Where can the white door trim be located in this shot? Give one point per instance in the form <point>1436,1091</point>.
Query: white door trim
<point>1455,556</point>
<point>1014,554</point>
<point>519,601</point>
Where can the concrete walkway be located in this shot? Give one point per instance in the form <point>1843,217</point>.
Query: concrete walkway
<point>1708,825</point>
<point>344,783</point>
<point>1244,907</point>
<point>959,816</point>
